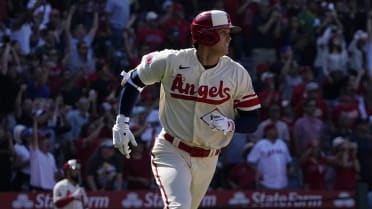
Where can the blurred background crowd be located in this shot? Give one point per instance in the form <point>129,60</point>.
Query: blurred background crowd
<point>60,64</point>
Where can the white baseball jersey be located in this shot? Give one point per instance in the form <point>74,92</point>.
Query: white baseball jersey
<point>64,188</point>
<point>190,94</point>
<point>272,159</point>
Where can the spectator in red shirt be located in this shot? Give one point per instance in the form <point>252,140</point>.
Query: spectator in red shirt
<point>299,90</point>
<point>314,167</point>
<point>103,82</point>
<point>313,91</point>
<point>137,170</point>
<point>242,175</point>
<point>269,94</point>
<point>346,106</point>
<point>345,164</point>
<point>92,135</point>
<point>151,34</point>
<point>177,22</point>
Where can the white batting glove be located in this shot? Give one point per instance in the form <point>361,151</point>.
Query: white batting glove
<point>222,123</point>
<point>78,194</point>
<point>121,135</point>
<point>84,196</point>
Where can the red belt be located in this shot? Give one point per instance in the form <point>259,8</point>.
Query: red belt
<point>193,151</point>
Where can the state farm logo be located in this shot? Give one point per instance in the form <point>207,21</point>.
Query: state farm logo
<point>45,200</point>
<point>239,198</point>
<point>344,200</point>
<point>132,200</point>
<point>154,200</point>
<point>22,201</point>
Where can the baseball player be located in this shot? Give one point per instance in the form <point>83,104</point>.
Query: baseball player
<point>67,194</point>
<point>205,96</point>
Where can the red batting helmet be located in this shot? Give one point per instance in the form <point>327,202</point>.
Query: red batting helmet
<point>72,164</point>
<point>203,26</point>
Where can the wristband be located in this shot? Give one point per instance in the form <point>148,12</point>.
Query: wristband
<point>120,119</point>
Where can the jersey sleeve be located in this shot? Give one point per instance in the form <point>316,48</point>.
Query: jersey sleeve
<point>288,157</point>
<point>153,66</point>
<point>369,58</point>
<point>246,98</point>
<point>254,155</point>
<point>60,196</point>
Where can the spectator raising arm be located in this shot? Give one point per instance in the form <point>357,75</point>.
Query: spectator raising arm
<point>35,139</point>
<point>369,44</point>
<point>5,59</point>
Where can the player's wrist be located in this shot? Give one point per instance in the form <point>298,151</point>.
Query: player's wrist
<point>122,119</point>
<point>231,125</point>
<point>72,197</point>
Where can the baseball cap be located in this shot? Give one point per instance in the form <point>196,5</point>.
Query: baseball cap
<point>151,15</point>
<point>27,132</point>
<point>17,132</point>
<point>106,106</point>
<point>284,103</point>
<point>107,143</point>
<point>312,86</point>
<point>337,141</point>
<point>138,110</point>
<point>269,127</point>
<point>166,4</point>
<point>266,75</point>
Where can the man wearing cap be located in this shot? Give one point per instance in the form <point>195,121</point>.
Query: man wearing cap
<point>21,135</point>
<point>150,34</point>
<point>270,158</point>
<point>205,97</point>
<point>42,162</point>
<point>105,168</point>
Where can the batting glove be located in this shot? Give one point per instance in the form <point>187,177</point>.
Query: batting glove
<point>78,194</point>
<point>223,123</point>
<point>122,135</point>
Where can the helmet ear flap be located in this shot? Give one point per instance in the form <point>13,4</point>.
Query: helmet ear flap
<point>207,37</point>
<point>210,37</point>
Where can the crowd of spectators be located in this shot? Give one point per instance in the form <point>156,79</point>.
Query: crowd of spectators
<point>60,64</point>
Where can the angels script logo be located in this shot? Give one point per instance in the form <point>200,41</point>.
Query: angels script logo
<point>205,94</point>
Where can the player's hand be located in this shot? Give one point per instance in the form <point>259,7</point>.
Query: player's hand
<point>122,135</point>
<point>222,123</point>
<point>84,196</point>
<point>78,193</point>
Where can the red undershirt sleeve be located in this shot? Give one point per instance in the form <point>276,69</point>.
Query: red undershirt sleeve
<point>64,201</point>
